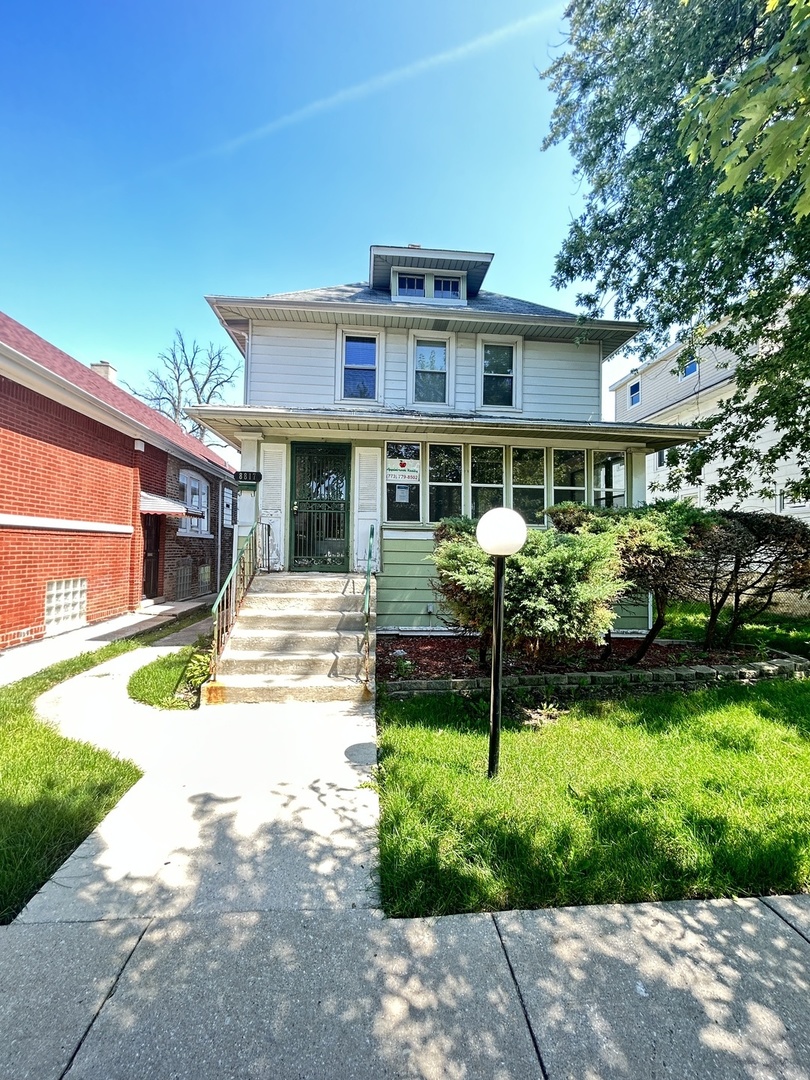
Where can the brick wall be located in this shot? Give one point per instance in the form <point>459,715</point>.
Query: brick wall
<point>59,463</point>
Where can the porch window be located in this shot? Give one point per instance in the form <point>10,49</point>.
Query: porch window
<point>430,372</point>
<point>403,481</point>
<point>529,483</point>
<point>569,476</point>
<point>444,482</point>
<point>486,474</point>
<point>194,492</point>
<point>608,478</point>
<point>360,367</point>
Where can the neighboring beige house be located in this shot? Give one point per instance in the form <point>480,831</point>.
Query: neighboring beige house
<point>412,397</point>
<point>658,393</point>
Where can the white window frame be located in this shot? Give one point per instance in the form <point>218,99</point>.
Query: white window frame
<point>544,487</point>
<point>229,503</point>
<point>587,466</point>
<point>590,456</point>
<point>481,341</point>
<point>689,374</point>
<point>449,340</point>
<point>344,332</point>
<point>196,526</point>
<point>429,276</point>
<point>630,403</point>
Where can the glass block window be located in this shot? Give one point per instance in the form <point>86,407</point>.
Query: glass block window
<point>569,476</point>
<point>499,375</point>
<point>446,288</point>
<point>444,482</point>
<point>411,285</point>
<point>360,367</point>
<point>529,483</point>
<point>608,478</point>
<point>403,501</point>
<point>65,605</point>
<point>486,474</point>
<point>430,372</point>
<point>204,579</point>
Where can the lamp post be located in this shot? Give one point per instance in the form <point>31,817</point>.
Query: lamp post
<point>500,532</point>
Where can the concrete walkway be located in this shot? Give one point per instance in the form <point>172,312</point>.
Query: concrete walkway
<point>222,923</point>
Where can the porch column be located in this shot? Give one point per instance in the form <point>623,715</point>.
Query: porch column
<point>247,500</point>
<point>637,460</point>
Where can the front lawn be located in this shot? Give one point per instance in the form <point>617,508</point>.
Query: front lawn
<point>653,798</point>
<point>770,630</point>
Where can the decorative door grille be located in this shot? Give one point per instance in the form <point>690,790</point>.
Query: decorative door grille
<point>320,505</point>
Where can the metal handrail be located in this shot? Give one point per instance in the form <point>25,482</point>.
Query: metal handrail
<point>227,604</point>
<point>367,601</point>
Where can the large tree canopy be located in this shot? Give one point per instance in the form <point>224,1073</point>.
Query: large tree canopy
<point>664,240</point>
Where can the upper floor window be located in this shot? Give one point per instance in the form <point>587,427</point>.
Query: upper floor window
<point>635,393</point>
<point>360,361</point>
<point>499,376</point>
<point>689,368</point>
<point>194,492</point>
<point>661,459</point>
<point>447,288</point>
<point>409,285</point>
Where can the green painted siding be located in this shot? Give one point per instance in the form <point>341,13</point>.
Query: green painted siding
<point>403,584</point>
<point>633,615</point>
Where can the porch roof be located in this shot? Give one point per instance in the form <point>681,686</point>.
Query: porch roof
<point>235,422</point>
<point>159,504</point>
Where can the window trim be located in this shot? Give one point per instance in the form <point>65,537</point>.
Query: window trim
<point>630,403</point>
<point>185,528</point>
<point>449,339</point>
<point>481,341</point>
<point>590,458</point>
<point>344,332</point>
<point>429,276</point>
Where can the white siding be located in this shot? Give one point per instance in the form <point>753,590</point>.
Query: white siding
<point>292,367</point>
<point>561,382</point>
<point>661,389</point>
<point>296,367</point>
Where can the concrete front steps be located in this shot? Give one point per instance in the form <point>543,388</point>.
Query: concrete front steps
<point>298,637</point>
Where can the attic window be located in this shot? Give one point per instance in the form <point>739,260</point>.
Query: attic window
<point>411,286</point>
<point>446,288</point>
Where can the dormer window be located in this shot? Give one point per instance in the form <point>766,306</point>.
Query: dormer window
<point>428,287</point>
<point>410,286</point>
<point>447,288</point>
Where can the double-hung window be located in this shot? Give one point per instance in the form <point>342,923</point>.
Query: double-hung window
<point>194,492</point>
<point>486,476</point>
<point>430,372</point>
<point>360,364</point>
<point>529,483</point>
<point>608,478</point>
<point>499,363</point>
<point>635,394</point>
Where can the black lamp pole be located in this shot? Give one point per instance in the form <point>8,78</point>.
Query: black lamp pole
<point>497,668</point>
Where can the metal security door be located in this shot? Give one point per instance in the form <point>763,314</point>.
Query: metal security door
<point>320,507</point>
<point>151,555</point>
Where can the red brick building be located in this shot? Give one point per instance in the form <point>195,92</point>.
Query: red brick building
<point>104,501</point>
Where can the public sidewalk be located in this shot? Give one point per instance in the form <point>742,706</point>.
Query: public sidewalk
<point>222,923</point>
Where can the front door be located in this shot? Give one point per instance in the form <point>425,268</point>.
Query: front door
<point>151,555</point>
<point>320,507</point>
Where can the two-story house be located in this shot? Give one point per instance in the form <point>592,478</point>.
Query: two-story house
<point>414,397</point>
<point>664,391</point>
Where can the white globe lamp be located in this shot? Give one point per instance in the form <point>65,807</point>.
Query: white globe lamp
<point>501,531</point>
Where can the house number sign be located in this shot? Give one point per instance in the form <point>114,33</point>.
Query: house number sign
<point>248,477</point>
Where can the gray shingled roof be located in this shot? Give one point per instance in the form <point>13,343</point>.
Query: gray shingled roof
<point>360,293</point>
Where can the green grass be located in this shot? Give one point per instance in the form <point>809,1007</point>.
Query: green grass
<point>771,630</point>
<point>655,798</point>
<point>53,790</point>
<point>172,682</point>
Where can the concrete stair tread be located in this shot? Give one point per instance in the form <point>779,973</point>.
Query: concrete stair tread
<point>288,654</point>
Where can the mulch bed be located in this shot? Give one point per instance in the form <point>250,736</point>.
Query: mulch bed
<point>426,656</point>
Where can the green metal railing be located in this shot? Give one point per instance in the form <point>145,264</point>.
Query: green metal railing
<point>252,557</point>
<point>367,601</point>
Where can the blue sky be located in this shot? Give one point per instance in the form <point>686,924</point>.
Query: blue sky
<point>156,152</point>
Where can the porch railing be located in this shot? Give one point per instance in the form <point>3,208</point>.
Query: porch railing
<point>367,602</point>
<point>253,555</point>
